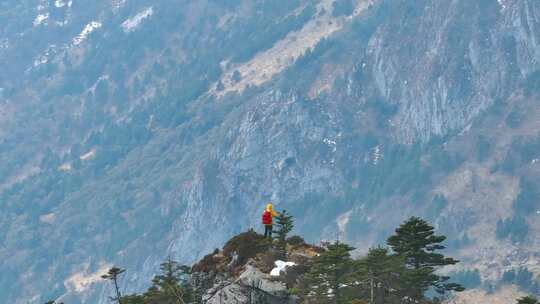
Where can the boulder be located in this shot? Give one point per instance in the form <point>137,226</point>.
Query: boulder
<point>252,286</point>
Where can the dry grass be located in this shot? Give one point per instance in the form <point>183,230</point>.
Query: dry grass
<point>265,65</point>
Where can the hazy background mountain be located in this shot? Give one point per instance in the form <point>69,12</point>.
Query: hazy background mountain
<point>134,130</point>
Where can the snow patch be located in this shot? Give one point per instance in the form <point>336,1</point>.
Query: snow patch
<point>48,218</point>
<point>90,154</point>
<point>44,58</point>
<point>331,143</point>
<point>89,28</point>
<point>4,44</point>
<point>377,154</point>
<point>41,60</point>
<point>133,23</point>
<point>43,4</point>
<point>502,4</point>
<point>101,78</point>
<point>65,167</point>
<point>59,3</point>
<point>280,266</point>
<point>62,23</point>
<point>117,5</point>
<point>40,19</point>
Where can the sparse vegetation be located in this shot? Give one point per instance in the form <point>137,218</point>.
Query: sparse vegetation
<point>245,246</point>
<point>514,119</point>
<point>532,84</point>
<point>523,278</point>
<point>296,240</point>
<point>515,228</point>
<point>469,279</point>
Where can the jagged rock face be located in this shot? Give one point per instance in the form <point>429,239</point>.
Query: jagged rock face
<point>470,54</point>
<point>143,158</point>
<point>252,286</point>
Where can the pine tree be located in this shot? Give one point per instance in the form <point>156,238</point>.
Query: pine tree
<point>112,275</point>
<point>416,242</point>
<point>285,224</point>
<point>528,300</point>
<point>169,287</point>
<point>380,272</point>
<point>329,273</point>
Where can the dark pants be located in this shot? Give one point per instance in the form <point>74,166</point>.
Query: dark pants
<point>268,231</point>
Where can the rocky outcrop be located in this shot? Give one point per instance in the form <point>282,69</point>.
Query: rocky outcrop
<point>252,286</point>
<point>241,272</point>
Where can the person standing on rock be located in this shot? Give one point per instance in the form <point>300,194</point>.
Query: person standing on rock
<point>267,217</point>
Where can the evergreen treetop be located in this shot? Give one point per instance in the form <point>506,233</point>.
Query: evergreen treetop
<point>416,242</point>
<point>285,224</point>
<point>329,273</point>
<point>170,286</point>
<point>381,273</point>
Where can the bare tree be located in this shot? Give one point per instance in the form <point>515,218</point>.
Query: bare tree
<point>112,275</point>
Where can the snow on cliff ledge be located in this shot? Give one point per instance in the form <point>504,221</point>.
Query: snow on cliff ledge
<point>89,28</point>
<point>280,266</point>
<point>40,19</point>
<point>133,23</point>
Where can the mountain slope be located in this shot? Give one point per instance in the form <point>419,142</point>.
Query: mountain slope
<point>130,126</point>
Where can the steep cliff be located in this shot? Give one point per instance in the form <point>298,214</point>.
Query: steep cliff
<point>133,131</point>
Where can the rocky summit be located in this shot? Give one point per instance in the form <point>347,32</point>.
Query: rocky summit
<point>131,131</point>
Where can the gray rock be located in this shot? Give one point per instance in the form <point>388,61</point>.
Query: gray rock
<point>252,286</point>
